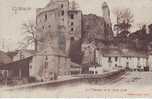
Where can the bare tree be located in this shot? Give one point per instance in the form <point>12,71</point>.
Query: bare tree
<point>29,29</point>
<point>124,19</point>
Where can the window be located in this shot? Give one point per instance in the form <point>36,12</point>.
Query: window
<point>46,58</point>
<point>91,72</point>
<point>62,13</point>
<point>46,65</point>
<point>72,16</point>
<point>116,65</point>
<point>109,59</point>
<point>62,5</point>
<point>72,23</point>
<point>30,66</point>
<point>127,65</point>
<point>45,17</point>
<point>49,26</point>
<point>51,73</point>
<point>43,27</point>
<point>72,38</point>
<point>116,59</point>
<point>72,29</point>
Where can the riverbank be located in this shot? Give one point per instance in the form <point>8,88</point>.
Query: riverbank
<point>68,79</point>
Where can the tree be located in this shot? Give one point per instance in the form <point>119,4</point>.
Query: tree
<point>124,20</point>
<point>150,37</point>
<point>140,38</point>
<point>29,29</point>
<point>150,29</point>
<point>150,33</point>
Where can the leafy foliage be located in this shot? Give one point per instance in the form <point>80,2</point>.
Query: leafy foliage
<point>124,20</point>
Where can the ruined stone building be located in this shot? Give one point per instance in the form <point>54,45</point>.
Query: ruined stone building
<point>65,29</point>
<point>97,31</point>
<point>106,13</point>
<point>58,26</point>
<point>97,28</point>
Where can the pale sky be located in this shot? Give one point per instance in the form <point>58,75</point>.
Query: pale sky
<point>10,27</point>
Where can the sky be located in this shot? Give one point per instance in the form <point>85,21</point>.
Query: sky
<point>11,31</point>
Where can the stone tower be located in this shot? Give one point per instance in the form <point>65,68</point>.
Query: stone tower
<point>52,24</point>
<point>58,25</point>
<point>108,25</point>
<point>106,13</point>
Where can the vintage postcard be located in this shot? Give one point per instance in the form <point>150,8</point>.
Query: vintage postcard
<point>76,48</point>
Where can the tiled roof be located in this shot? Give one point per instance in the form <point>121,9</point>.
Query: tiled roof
<point>17,64</point>
<point>133,53</point>
<point>111,52</point>
<point>122,52</point>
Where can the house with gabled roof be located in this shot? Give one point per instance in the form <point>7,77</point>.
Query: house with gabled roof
<point>108,59</point>
<point>22,54</point>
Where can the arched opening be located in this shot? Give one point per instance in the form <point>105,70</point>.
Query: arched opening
<point>72,39</point>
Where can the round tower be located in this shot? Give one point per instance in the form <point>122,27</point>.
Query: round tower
<point>106,13</point>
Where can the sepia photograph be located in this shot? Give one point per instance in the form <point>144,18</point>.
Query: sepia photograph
<point>76,48</point>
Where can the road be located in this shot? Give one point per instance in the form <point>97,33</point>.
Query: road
<point>136,78</point>
<point>131,84</point>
